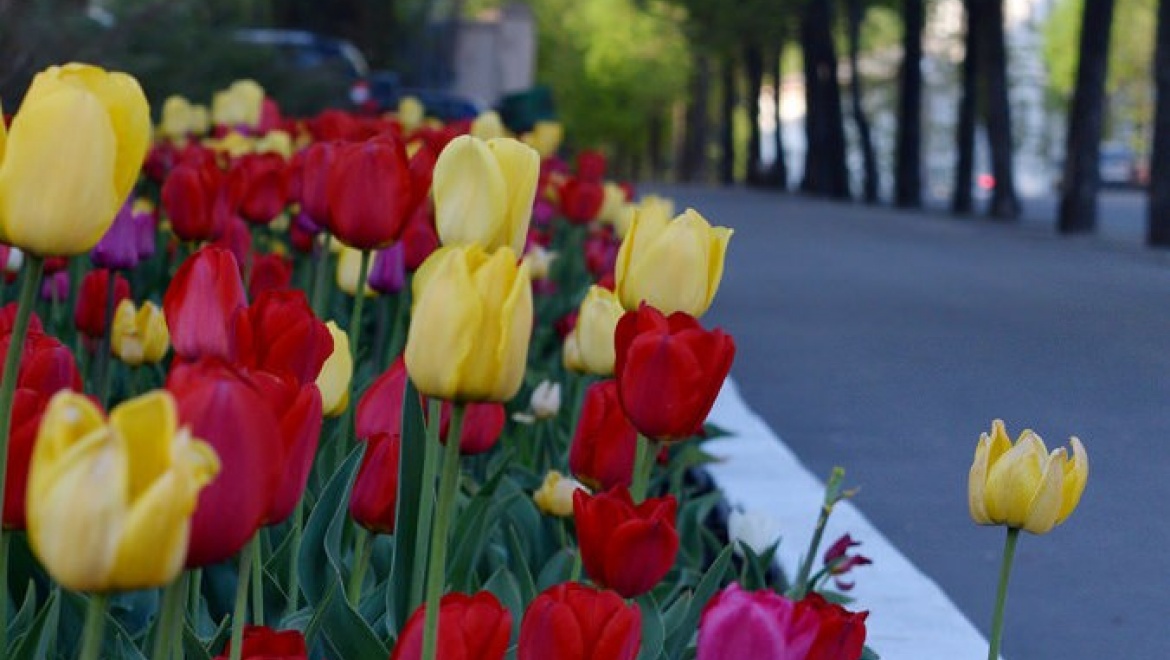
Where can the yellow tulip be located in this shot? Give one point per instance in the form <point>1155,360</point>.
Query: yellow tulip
<point>177,118</point>
<point>555,496</point>
<point>613,207</point>
<point>277,142</point>
<point>488,125</point>
<point>673,265</point>
<point>1023,485</point>
<point>238,105</point>
<point>110,502</point>
<point>589,347</point>
<point>139,335</point>
<point>200,120</point>
<point>71,158</point>
<point>333,381</point>
<point>411,113</point>
<point>470,325</point>
<point>483,192</point>
<point>349,269</point>
<point>545,137</point>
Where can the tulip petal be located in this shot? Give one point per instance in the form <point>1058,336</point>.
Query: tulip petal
<point>1076,474</point>
<point>446,317</point>
<point>1014,479</point>
<point>987,452</point>
<point>1045,505</point>
<point>146,425</point>
<point>469,192</point>
<point>153,544</point>
<point>520,165</point>
<point>647,553</point>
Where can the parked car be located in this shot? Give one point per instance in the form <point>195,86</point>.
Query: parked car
<point>381,91</point>
<point>1117,165</point>
<point>304,70</point>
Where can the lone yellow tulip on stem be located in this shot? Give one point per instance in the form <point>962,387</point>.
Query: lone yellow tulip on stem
<point>470,325</point>
<point>139,336</point>
<point>1023,485</point>
<point>71,158</point>
<point>110,502</point>
<point>336,373</point>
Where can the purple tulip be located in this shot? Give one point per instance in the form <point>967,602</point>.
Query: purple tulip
<point>55,287</point>
<point>118,249</point>
<point>388,274</point>
<point>144,234</point>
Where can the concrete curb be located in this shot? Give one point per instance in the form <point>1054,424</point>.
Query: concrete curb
<point>910,616</point>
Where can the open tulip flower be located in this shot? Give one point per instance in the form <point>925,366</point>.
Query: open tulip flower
<point>110,502</point>
<point>626,547</point>
<point>68,212</point>
<point>1022,485</point>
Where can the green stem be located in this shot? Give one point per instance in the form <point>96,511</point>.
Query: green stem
<point>257,581</point>
<point>643,468</point>
<point>363,545</point>
<point>241,609</point>
<point>448,486</point>
<point>195,594</point>
<point>348,428</point>
<point>294,572</point>
<point>1005,571</point>
<point>427,502</point>
<point>832,496</point>
<point>27,298</point>
<point>170,619</point>
<point>95,626</point>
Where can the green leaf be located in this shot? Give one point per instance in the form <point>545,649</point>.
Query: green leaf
<point>869,654</point>
<point>410,493</point>
<point>41,633</point>
<point>520,564</point>
<point>470,534</point>
<point>653,632</point>
<point>706,588</point>
<point>556,570</point>
<point>676,614</point>
<point>503,584</point>
<point>27,612</point>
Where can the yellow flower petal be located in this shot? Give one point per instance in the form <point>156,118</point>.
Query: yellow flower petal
<point>1076,475</point>
<point>445,320</point>
<point>520,165</point>
<point>469,192</point>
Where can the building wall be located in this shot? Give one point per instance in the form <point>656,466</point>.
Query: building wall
<point>495,55</point>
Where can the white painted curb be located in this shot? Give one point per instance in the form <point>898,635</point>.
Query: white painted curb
<point>910,618</point>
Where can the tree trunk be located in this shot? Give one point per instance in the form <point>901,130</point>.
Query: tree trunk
<point>961,200</point>
<point>693,163</point>
<point>753,64</point>
<point>868,159</point>
<point>1159,206</point>
<point>825,170</point>
<point>1078,188</point>
<point>908,159</point>
<point>727,120</point>
<point>1004,203</point>
<point>778,173</point>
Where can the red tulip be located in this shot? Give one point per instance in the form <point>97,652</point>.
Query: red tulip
<point>316,162</point>
<point>370,193</point>
<point>591,165</point>
<point>203,305</point>
<point>46,367</point>
<point>574,622</point>
<point>270,272</point>
<point>470,628</point>
<point>841,633</point>
<point>625,547</point>
<point>224,408</point>
<point>482,425</point>
<point>263,643</point>
<point>757,624</point>
<point>419,236</point>
<point>422,171</point>
<point>264,186</point>
<point>92,301</point>
<point>236,238</point>
<point>297,407</point>
<point>669,371</point>
<point>602,453</point>
<point>375,491</point>
<point>283,336</point>
<point>601,250</point>
<point>190,195</point>
<point>581,199</point>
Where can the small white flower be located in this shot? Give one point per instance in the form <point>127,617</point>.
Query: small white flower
<point>756,530</point>
<point>539,261</point>
<point>546,400</point>
<point>15,260</point>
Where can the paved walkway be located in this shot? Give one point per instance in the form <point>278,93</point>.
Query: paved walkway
<point>886,342</point>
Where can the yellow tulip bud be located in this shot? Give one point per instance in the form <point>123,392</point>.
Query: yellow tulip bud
<point>411,113</point>
<point>200,120</point>
<point>539,261</point>
<point>470,325</point>
<point>333,381</point>
<point>110,502</point>
<point>176,118</point>
<point>488,125</point>
<point>555,496</point>
<point>139,335</point>
<point>1023,485</point>
<point>71,158</point>
<point>589,347</point>
<point>349,269</point>
<point>238,105</point>
<point>545,137</point>
<point>673,265</point>
<point>613,205</point>
<point>483,192</point>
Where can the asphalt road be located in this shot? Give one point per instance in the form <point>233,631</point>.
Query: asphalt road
<point>886,342</point>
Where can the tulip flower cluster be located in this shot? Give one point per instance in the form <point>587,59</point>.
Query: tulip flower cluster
<point>406,389</point>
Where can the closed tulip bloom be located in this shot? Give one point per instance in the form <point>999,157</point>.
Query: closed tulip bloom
<point>488,125</point>
<point>285,336</point>
<point>263,643</point>
<point>90,314</point>
<point>760,625</point>
<point>270,272</point>
<point>310,181</point>
<point>118,248</point>
<point>572,621</point>
<point>626,547</point>
<point>110,502</point>
<point>669,371</point>
<point>605,442</point>
<point>239,105</point>
<point>370,193</point>
<point>336,373</point>
<point>90,128</point>
<point>673,265</point>
<point>546,400</point>
<point>545,137</point>
<point>203,303</point>
<point>470,325</point>
<point>840,633</point>
<point>374,498</point>
<point>349,269</point>
<point>474,627</point>
<point>297,407</point>
<point>483,192</point>
<point>190,195</point>
<point>581,199</point>
<point>140,334</point>
<point>178,120</point>
<point>411,113</point>
<point>1023,485</point>
<point>482,425</point>
<point>589,347</point>
<point>555,495</point>
<point>264,186</point>
<point>388,270</point>
<point>380,408</point>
